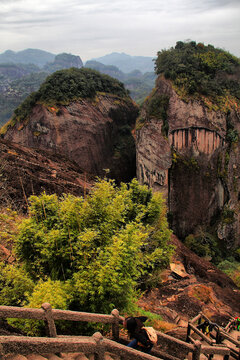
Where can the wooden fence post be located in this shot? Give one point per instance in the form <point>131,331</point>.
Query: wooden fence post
<point>52,332</point>
<point>197,350</point>
<point>200,319</point>
<point>188,333</point>
<point>115,325</point>
<point>218,336</point>
<point>99,355</point>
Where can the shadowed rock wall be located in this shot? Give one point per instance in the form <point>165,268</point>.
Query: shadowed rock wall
<point>96,134</point>
<point>193,164</point>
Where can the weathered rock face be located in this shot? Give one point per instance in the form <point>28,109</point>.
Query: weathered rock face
<point>96,134</point>
<point>25,172</point>
<point>201,287</point>
<point>193,164</point>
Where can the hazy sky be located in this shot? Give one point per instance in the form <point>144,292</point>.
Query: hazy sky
<point>93,28</point>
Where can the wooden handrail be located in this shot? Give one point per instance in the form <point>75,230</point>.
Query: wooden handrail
<point>196,318</point>
<point>203,336</point>
<point>88,345</point>
<point>229,338</point>
<point>221,333</point>
<point>96,343</point>
<point>208,350</point>
<point>39,314</point>
<point>170,339</point>
<point>49,315</point>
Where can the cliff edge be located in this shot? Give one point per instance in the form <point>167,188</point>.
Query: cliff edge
<point>84,116</point>
<point>188,141</point>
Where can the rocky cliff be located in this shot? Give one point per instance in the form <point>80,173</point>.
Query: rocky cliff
<point>187,154</point>
<point>191,285</point>
<point>25,171</point>
<point>93,131</point>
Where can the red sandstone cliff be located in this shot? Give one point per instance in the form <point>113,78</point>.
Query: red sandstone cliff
<point>193,163</point>
<point>25,171</point>
<point>96,134</point>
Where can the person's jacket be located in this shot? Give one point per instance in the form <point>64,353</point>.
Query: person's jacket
<point>136,331</point>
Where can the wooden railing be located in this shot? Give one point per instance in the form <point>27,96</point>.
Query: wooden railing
<point>230,325</point>
<point>216,336</point>
<point>49,315</point>
<point>95,344</point>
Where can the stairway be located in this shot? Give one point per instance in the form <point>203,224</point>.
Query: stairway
<point>235,335</point>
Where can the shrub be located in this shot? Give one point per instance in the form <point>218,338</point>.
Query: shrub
<point>231,267</point>
<point>204,244</point>
<point>105,244</point>
<point>198,70</point>
<point>15,285</point>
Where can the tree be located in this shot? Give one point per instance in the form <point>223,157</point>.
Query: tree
<point>198,70</point>
<point>104,245</point>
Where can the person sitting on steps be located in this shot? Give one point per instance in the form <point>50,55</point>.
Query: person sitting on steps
<point>140,340</point>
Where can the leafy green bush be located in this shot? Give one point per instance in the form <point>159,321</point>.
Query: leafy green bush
<point>204,244</point>
<point>197,69</point>
<point>57,293</point>
<point>104,245</point>
<point>231,267</point>
<point>15,285</point>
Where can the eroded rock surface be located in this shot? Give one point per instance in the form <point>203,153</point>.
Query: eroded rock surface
<point>96,134</point>
<point>201,287</point>
<point>190,159</point>
<point>25,172</point>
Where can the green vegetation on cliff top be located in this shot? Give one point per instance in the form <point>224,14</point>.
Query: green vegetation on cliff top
<point>203,72</point>
<point>68,85</point>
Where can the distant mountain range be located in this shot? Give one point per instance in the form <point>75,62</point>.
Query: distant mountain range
<point>28,56</point>
<point>128,63</point>
<point>23,72</point>
<point>139,84</point>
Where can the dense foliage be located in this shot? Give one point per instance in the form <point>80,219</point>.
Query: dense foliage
<point>204,244</point>
<point>196,69</point>
<point>156,107</point>
<point>231,267</point>
<point>68,85</point>
<point>94,252</point>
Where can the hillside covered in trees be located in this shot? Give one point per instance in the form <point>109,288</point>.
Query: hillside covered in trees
<point>200,71</point>
<point>188,136</point>
<point>68,85</point>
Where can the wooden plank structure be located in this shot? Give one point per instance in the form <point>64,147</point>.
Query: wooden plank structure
<point>95,344</point>
<point>216,338</point>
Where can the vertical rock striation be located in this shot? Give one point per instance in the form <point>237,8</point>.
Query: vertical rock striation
<point>187,156</point>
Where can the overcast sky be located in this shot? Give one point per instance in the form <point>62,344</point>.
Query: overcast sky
<point>93,28</point>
